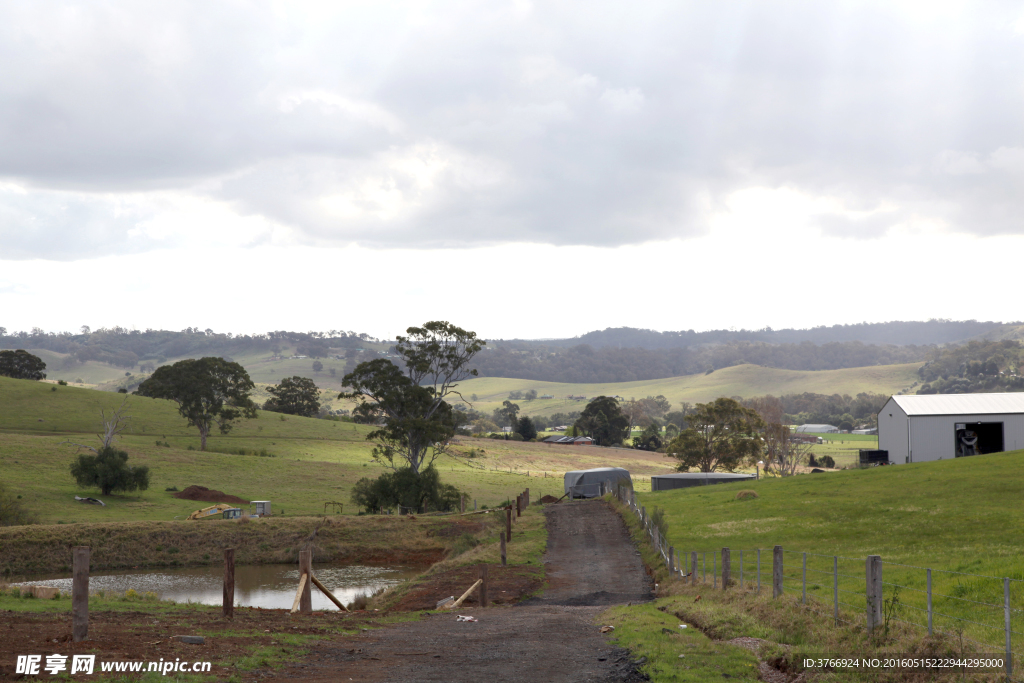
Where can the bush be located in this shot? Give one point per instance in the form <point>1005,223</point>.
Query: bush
<point>823,461</point>
<point>746,494</point>
<point>404,488</point>
<point>109,471</point>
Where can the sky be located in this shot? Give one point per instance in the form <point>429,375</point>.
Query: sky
<point>528,170</point>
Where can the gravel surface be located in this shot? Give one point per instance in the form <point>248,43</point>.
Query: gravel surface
<point>590,563</point>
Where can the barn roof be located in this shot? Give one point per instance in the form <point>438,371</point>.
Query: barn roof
<point>961,404</point>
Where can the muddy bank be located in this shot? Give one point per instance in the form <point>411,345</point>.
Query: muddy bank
<point>37,549</point>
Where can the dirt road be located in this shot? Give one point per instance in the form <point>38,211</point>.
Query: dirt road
<point>590,563</point>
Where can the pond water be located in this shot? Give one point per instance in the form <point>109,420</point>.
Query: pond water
<point>268,586</point>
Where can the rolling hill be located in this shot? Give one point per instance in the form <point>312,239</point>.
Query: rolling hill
<point>739,380</point>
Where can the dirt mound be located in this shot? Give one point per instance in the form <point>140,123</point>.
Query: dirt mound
<point>548,499</point>
<point>201,493</point>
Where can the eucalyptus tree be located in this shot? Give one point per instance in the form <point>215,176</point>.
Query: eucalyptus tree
<point>209,392</point>
<point>411,405</point>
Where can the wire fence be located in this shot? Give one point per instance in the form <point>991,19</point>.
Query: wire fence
<point>986,612</point>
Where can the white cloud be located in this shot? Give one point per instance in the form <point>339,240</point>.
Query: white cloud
<point>623,101</point>
<point>646,139</point>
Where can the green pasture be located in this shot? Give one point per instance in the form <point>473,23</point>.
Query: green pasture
<point>961,515</point>
<point>304,475</point>
<point>62,366</point>
<point>739,380</point>
<point>844,448</point>
<point>315,461</point>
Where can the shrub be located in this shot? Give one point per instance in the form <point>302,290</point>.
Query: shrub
<point>746,494</point>
<point>404,488</point>
<point>109,471</point>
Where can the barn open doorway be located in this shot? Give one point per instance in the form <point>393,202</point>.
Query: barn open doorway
<point>978,438</point>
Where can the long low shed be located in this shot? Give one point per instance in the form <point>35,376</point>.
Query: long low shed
<point>665,482</point>
<point>587,483</point>
<point>929,427</point>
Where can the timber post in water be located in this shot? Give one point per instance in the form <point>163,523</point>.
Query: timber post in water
<point>229,582</point>
<point>306,567</point>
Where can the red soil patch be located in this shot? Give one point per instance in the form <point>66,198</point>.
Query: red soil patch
<point>504,585</point>
<point>548,499</point>
<point>201,493</point>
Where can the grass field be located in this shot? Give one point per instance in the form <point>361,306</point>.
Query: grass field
<point>316,461</point>
<point>960,515</point>
<point>740,380</point>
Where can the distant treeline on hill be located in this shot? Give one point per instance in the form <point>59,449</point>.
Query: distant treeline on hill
<point>975,367</point>
<point>125,348</point>
<point>900,333</point>
<point>583,363</point>
<point>612,355</point>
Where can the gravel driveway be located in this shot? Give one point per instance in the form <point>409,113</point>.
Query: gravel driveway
<point>590,563</point>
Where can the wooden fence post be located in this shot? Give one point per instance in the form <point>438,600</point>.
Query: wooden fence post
<point>671,559</point>
<point>508,524</point>
<point>462,504</point>
<point>519,505</point>
<point>229,582</point>
<point>873,571</point>
<point>306,567</point>
<point>693,568</point>
<point>483,585</point>
<point>80,593</point>
<point>504,552</point>
<point>726,567</point>
<point>777,571</point>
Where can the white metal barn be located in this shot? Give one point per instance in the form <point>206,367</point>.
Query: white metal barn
<point>943,426</point>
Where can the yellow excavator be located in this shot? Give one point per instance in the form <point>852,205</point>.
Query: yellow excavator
<point>218,510</point>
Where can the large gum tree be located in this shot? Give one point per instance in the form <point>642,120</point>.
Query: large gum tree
<point>412,405</point>
<point>209,392</point>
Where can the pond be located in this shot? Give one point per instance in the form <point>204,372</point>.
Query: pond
<point>271,586</point>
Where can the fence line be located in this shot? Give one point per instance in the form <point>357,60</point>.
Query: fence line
<point>790,568</point>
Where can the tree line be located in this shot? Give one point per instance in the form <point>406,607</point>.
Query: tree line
<point>901,333</point>
<point>126,348</point>
<point>975,367</point>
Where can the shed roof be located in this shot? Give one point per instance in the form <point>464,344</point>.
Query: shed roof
<point>961,404</point>
<point>816,429</point>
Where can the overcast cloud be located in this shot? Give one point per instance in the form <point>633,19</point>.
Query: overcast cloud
<point>464,124</point>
